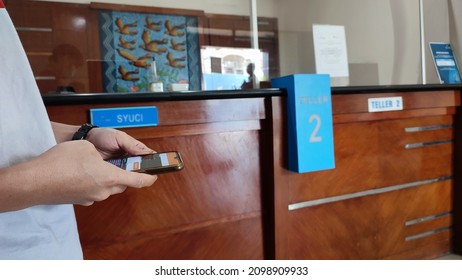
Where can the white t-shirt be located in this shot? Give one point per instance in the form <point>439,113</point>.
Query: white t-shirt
<point>40,232</point>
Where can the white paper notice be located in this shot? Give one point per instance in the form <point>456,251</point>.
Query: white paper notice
<point>330,50</point>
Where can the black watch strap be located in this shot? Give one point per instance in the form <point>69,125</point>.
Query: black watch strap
<point>81,134</point>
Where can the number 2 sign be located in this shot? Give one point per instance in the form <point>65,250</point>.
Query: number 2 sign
<point>310,129</point>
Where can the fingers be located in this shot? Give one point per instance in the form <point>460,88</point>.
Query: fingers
<point>130,178</point>
<point>128,181</point>
<point>115,143</point>
<point>132,146</point>
<point>103,195</point>
<point>143,149</point>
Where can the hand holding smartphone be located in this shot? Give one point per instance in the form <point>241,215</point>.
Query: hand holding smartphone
<point>152,163</point>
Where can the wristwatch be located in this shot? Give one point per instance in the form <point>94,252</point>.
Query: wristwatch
<point>81,134</point>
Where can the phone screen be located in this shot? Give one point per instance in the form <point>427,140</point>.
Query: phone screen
<point>151,163</point>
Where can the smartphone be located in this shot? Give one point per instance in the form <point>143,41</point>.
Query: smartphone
<point>152,163</point>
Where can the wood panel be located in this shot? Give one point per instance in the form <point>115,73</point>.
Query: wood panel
<point>211,241</point>
<point>356,103</point>
<point>175,113</point>
<point>145,9</point>
<point>359,210</point>
<point>26,13</point>
<point>281,175</point>
<point>210,210</point>
<point>376,153</point>
<point>55,36</point>
<point>218,186</point>
<point>369,227</point>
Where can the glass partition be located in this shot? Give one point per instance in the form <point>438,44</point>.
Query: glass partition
<point>132,46</point>
<point>383,37</point>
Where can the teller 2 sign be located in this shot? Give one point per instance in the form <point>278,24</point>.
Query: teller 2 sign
<point>383,104</point>
<point>310,129</point>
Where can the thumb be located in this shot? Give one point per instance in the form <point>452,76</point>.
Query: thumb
<point>137,180</point>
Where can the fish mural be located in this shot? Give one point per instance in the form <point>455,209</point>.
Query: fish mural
<point>131,41</point>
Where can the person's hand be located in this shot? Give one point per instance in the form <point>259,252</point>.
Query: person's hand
<point>74,172</point>
<point>115,143</point>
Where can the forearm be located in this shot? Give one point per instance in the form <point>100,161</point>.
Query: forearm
<point>17,184</point>
<point>22,184</point>
<point>65,174</point>
<point>63,132</point>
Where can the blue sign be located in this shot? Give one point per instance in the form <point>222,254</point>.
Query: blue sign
<point>445,63</point>
<point>124,117</point>
<point>310,129</point>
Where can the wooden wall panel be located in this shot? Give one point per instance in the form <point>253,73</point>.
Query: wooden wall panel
<point>174,113</point>
<point>36,42</point>
<point>219,185</point>
<point>212,209</point>
<point>356,103</point>
<point>216,189</point>
<point>227,240</point>
<point>30,14</point>
<point>55,36</point>
<point>375,152</point>
<point>359,210</point>
<point>370,227</point>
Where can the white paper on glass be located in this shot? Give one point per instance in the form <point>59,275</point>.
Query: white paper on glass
<point>330,50</point>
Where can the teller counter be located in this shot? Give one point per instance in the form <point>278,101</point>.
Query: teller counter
<point>390,196</point>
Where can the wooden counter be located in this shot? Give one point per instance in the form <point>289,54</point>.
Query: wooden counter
<point>389,197</point>
<point>210,210</point>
